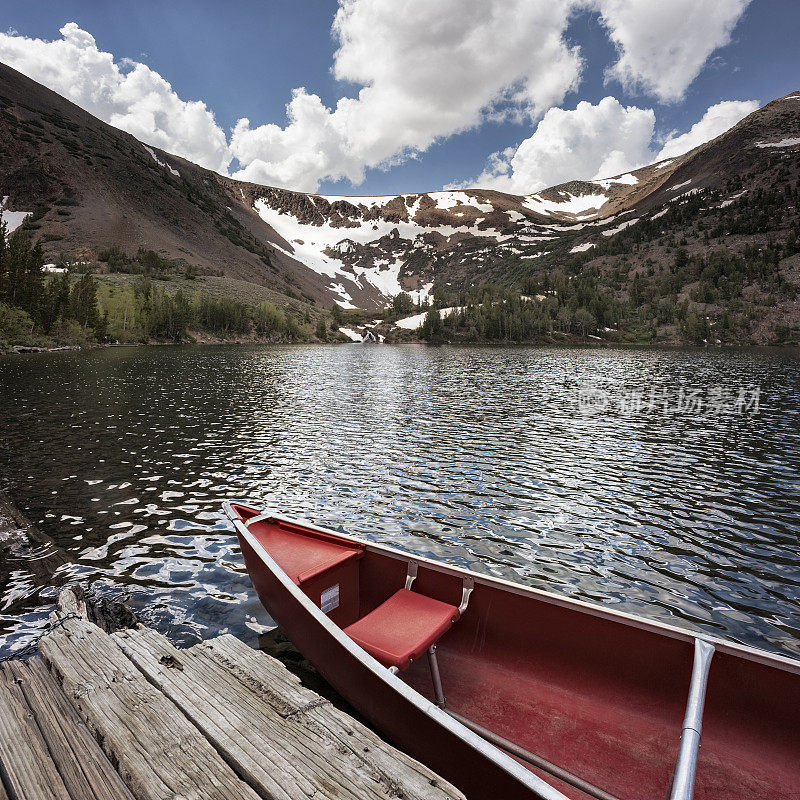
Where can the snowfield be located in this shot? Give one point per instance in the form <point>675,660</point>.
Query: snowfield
<point>368,202</point>
<point>627,179</point>
<point>448,200</point>
<point>620,227</point>
<point>309,243</point>
<point>352,335</point>
<point>731,200</point>
<point>580,205</point>
<point>12,219</point>
<point>444,200</point>
<point>412,323</point>
<point>781,143</point>
<point>162,163</point>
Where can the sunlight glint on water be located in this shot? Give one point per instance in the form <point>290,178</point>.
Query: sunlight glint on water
<point>477,456</point>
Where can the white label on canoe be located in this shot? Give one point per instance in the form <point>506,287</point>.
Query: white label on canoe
<point>329,599</point>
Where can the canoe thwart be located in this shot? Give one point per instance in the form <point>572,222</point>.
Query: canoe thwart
<point>686,765</point>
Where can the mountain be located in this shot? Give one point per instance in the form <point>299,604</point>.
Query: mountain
<point>96,187</point>
<point>92,188</point>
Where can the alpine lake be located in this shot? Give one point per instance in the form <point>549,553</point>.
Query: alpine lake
<point>664,483</point>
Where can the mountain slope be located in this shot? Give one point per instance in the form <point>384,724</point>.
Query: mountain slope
<point>93,187</point>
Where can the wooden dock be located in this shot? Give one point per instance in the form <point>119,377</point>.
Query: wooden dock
<point>127,715</point>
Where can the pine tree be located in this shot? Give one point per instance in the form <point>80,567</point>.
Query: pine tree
<point>432,327</point>
<point>55,305</point>
<point>83,302</point>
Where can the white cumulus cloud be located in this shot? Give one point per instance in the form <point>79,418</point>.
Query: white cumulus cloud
<point>427,71</point>
<point>597,141</point>
<point>718,119</point>
<point>418,72</point>
<point>662,45</point>
<point>138,100</point>
<point>593,141</point>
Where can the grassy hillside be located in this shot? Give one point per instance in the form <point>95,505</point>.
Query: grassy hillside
<point>82,306</point>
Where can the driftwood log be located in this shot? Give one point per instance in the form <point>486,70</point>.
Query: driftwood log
<point>26,541</point>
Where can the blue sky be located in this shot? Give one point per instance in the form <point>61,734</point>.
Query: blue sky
<point>244,58</point>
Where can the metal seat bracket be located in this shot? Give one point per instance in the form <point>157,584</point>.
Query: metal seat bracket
<point>411,574</point>
<point>466,591</point>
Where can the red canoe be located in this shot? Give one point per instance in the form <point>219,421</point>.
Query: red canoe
<point>510,692</point>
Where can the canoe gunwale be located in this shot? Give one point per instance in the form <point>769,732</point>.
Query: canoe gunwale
<point>540,787</point>
<point>633,620</point>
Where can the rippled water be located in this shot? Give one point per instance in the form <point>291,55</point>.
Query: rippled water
<point>477,456</point>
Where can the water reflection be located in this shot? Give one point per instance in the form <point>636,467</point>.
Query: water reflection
<point>478,456</point>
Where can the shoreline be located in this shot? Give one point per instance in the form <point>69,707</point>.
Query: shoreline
<point>578,344</point>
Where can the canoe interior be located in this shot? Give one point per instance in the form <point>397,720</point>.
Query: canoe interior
<point>602,699</point>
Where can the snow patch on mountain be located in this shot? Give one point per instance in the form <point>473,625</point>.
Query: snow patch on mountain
<point>685,195</point>
<point>12,219</point>
<point>628,179</point>
<point>413,322</point>
<point>369,202</point>
<point>732,199</point>
<point>384,276</point>
<point>160,162</point>
<point>311,240</point>
<point>444,200</point>
<point>579,205</point>
<point>781,143</point>
<point>620,227</point>
<point>352,335</point>
<point>448,200</point>
<point>344,299</point>
<point>581,248</point>
<point>421,294</point>
<point>323,247</point>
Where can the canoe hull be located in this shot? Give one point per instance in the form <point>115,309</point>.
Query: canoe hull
<point>598,692</point>
<point>411,728</point>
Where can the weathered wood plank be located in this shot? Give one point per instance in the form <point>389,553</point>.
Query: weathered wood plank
<point>27,769</point>
<point>284,740</point>
<point>83,766</point>
<point>254,669</point>
<point>158,752</point>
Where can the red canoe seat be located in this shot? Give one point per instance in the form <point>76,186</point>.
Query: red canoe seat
<point>303,554</point>
<point>401,629</point>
